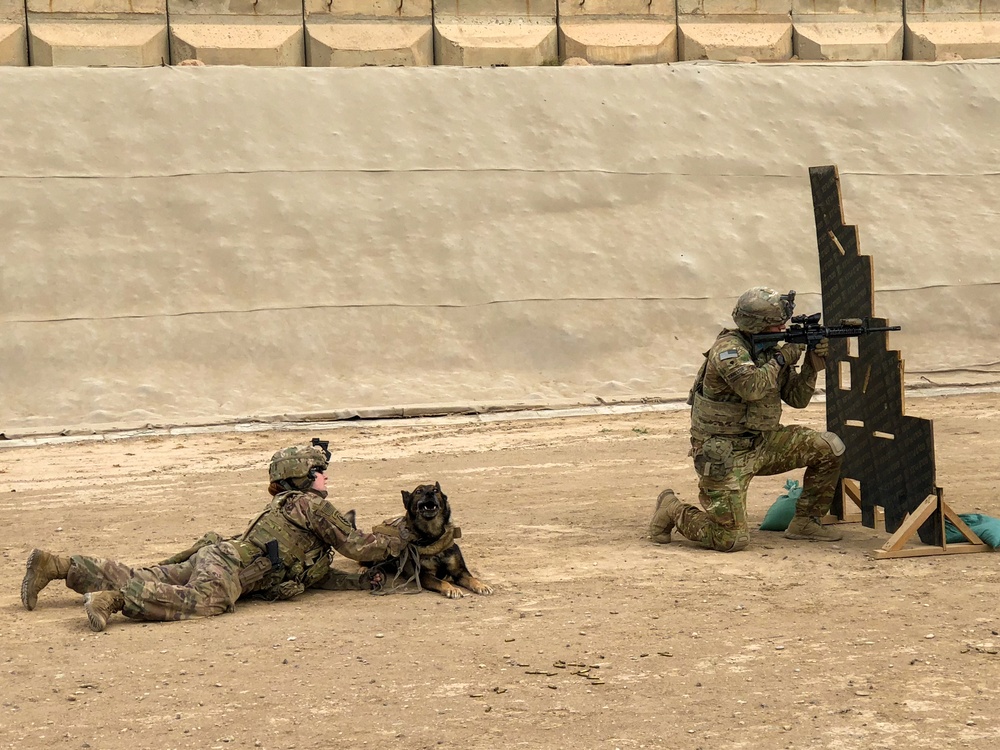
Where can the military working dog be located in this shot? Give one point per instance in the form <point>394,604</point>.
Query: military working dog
<point>427,522</point>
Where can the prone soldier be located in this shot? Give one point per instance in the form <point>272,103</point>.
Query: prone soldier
<point>285,550</point>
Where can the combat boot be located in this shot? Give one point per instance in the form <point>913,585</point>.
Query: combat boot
<point>43,567</point>
<point>100,605</point>
<point>667,505</point>
<point>810,529</point>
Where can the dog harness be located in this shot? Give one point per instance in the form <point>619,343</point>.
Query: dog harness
<point>394,526</point>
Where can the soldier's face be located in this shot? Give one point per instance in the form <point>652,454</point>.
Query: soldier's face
<point>775,329</point>
<point>319,483</point>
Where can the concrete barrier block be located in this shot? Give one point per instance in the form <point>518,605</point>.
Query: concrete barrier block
<point>638,8</point>
<point>484,42</point>
<point>615,32</point>
<point>631,41</point>
<point>733,7</point>
<point>13,33</point>
<point>764,38</point>
<point>948,36</point>
<point>118,33</point>
<point>237,32</point>
<point>13,44</point>
<point>115,33</point>
<point>445,9</point>
<point>238,42</point>
<point>353,33</point>
<point>829,38</point>
<point>384,9</point>
<point>91,42</point>
<point>848,29</point>
<point>353,44</point>
<point>848,9</point>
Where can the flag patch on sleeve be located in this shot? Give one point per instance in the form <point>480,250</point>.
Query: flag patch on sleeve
<point>729,354</point>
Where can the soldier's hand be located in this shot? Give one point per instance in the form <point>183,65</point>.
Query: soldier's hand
<point>788,354</point>
<point>817,355</point>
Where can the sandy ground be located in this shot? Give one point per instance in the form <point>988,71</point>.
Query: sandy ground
<point>784,645</point>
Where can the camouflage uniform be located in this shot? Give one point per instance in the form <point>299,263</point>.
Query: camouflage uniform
<point>209,582</point>
<point>285,550</point>
<point>736,435</point>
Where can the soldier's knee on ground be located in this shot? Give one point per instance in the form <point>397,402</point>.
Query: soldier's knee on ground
<point>734,544</point>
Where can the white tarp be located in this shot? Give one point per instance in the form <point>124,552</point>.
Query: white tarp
<point>204,244</point>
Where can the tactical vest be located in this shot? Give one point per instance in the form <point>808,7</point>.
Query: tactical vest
<point>725,413</point>
<point>305,557</point>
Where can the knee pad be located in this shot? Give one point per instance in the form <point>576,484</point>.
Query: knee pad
<point>835,443</point>
<point>738,543</point>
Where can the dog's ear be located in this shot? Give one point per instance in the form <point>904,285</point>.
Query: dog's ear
<point>407,499</point>
<point>351,516</point>
<point>445,509</point>
<point>437,488</point>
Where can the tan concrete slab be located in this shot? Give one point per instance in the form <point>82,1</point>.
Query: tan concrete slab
<point>821,38</point>
<point>944,36</point>
<point>249,9</point>
<point>610,42</point>
<point>358,43</point>
<point>761,38</point>
<point>733,7</point>
<point>93,8</point>
<point>235,41</point>
<point>92,42</point>
<point>387,9</point>
<point>13,44</point>
<point>445,9</point>
<point>481,42</point>
<point>639,8</point>
<point>849,9</point>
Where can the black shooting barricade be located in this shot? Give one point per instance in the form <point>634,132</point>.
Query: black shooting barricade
<point>889,463</point>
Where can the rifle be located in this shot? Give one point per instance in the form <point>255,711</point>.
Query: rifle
<point>806,329</point>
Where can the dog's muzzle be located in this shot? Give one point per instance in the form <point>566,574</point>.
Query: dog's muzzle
<point>428,507</point>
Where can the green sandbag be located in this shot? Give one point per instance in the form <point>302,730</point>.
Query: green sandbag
<point>780,514</point>
<point>986,528</point>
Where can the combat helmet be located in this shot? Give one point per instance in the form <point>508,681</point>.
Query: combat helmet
<point>297,467</point>
<point>761,307</point>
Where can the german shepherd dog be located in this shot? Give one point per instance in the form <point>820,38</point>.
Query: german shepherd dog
<point>428,523</point>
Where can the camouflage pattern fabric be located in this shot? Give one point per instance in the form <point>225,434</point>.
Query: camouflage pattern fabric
<point>722,525</point>
<point>207,584</point>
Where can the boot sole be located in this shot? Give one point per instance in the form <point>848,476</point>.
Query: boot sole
<point>97,623</point>
<point>29,580</point>
<point>804,538</point>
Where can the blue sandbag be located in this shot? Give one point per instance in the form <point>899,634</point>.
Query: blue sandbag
<point>987,528</point>
<point>780,514</point>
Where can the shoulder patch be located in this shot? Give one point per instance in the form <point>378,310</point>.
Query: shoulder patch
<point>728,354</point>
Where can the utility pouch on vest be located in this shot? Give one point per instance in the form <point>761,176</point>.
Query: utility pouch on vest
<point>254,572</point>
<point>715,460</point>
<point>269,562</point>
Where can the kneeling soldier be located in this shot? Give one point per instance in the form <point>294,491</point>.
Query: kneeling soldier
<point>736,433</point>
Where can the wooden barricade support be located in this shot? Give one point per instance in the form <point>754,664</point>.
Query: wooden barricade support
<point>934,504</point>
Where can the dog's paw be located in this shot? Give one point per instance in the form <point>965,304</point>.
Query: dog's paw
<point>452,592</point>
<point>481,588</point>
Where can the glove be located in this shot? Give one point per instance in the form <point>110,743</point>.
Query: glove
<point>817,355</point>
<point>788,354</point>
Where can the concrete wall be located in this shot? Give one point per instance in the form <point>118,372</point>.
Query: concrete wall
<point>480,33</point>
<point>199,244</point>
